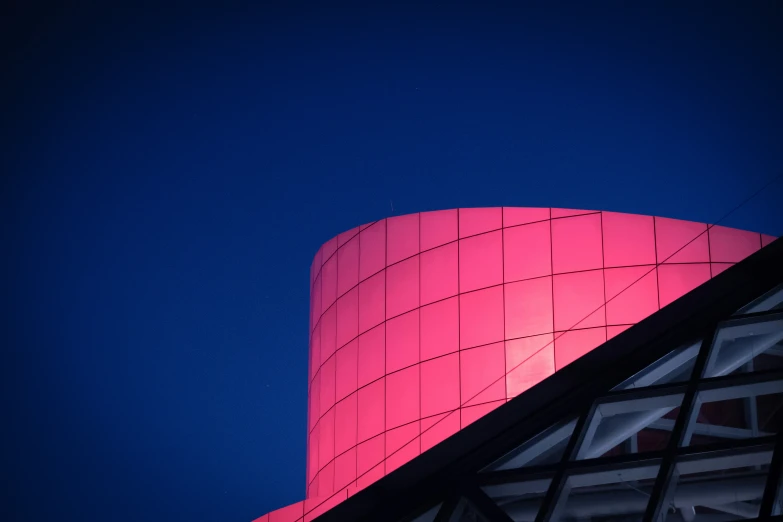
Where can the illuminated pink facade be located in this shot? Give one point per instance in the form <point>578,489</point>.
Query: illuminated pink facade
<point>422,323</point>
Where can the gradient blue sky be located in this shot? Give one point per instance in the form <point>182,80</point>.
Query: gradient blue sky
<point>168,175</point>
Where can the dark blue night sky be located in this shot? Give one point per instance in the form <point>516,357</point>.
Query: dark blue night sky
<point>169,174</point>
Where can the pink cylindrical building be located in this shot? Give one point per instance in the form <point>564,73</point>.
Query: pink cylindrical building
<point>420,324</point>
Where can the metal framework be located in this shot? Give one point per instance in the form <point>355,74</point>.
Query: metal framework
<point>693,435</point>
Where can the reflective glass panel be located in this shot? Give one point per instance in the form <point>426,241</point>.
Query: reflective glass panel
<point>747,345</point>
<point>545,448</point>
<point>521,500</point>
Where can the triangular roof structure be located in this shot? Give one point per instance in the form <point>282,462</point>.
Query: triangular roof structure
<point>678,418</point>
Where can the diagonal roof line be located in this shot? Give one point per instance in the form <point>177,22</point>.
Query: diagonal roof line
<point>564,394</point>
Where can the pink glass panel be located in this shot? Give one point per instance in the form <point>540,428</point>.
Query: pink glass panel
<point>527,251</point>
<point>262,518</point>
<point>402,397</point>
<point>728,245</point>
<point>681,241</point>
<point>438,429</point>
<point>402,237</point>
<point>372,355</point>
<point>717,268</point>
<point>290,513</point>
<point>329,248</point>
<point>579,300</point>
<point>402,287</point>
<point>345,413</point>
<point>473,413</point>
<point>326,480</point>
<point>348,266</point>
<point>326,439</point>
<point>315,268</point>
<point>612,331</point>
<point>766,240</point>
<point>631,294</point>
<point>439,328</point>
<point>519,216</point>
<point>440,385</point>
<point>628,239</point>
<point>531,371</point>
<point>482,373</point>
<point>315,312</point>
<point>438,228</point>
<point>312,464</point>
<point>528,307</point>
<point>408,452</point>
<point>327,385</point>
<point>369,454</point>
<point>346,236</point>
<point>576,243</point>
<point>329,283</point>
<point>566,212</point>
<point>397,438</point>
<point>570,346</point>
<point>480,261</point>
<point>347,359</point>
<point>315,400</point>
<point>315,351</point>
<point>347,317</point>
<point>372,249</point>
<point>474,221</point>
<point>402,341</point>
<point>328,333</point>
<point>327,504</point>
<point>314,487</point>
<point>674,281</point>
<point>372,301</point>
<point>371,476</point>
<point>439,277</point>
<point>371,410</point>
<point>345,469</point>
<point>481,317</point>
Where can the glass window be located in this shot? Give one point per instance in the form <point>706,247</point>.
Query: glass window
<point>521,215</point>
<point>369,454</point>
<point>676,366</point>
<point>345,424</point>
<point>327,384</point>
<point>402,445</point>
<point>371,410</point>
<point>637,425</point>
<point>567,212</point>
<point>347,358</point>
<point>547,447</point>
<point>747,345</point>
<point>326,439</point>
<point>329,283</point>
<point>771,300</point>
<point>328,333</point>
<point>520,500</point>
<point>345,469</point>
<point>725,483</point>
<point>741,411</point>
<point>618,494</point>
<point>471,414</point>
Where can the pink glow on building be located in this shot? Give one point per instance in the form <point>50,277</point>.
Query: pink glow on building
<point>421,324</point>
